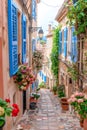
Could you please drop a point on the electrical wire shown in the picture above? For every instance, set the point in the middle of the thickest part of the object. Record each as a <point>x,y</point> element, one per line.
<point>50,5</point>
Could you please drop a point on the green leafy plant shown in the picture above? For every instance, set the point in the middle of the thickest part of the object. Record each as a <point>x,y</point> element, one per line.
<point>55,52</point>
<point>36,96</point>
<point>38,89</point>
<point>73,71</point>
<point>61,94</point>
<point>77,16</point>
<point>79,103</point>
<point>61,91</point>
<point>42,85</point>
<point>54,88</point>
<point>42,42</point>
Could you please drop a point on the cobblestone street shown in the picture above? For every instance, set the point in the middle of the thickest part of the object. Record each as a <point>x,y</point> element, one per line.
<point>48,115</point>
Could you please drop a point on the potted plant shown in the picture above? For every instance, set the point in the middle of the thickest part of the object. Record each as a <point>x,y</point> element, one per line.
<point>24,77</point>
<point>54,89</point>
<point>61,91</point>
<point>36,96</point>
<point>7,110</point>
<point>37,89</point>
<point>79,103</point>
<point>63,100</point>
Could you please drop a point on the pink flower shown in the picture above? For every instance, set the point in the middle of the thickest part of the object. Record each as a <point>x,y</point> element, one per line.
<point>69,100</point>
<point>80,100</point>
<point>73,99</point>
<point>73,96</point>
<point>79,94</point>
<point>76,94</point>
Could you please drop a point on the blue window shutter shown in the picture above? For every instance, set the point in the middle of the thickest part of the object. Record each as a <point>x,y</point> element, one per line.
<point>41,73</point>
<point>74,45</point>
<point>12,38</point>
<point>23,38</point>
<point>65,41</point>
<point>60,42</point>
<point>34,9</point>
<point>33,45</point>
<point>33,86</point>
<point>65,48</point>
<point>44,78</point>
<point>75,48</point>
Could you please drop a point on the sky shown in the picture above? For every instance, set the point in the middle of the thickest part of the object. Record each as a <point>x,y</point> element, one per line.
<point>47,11</point>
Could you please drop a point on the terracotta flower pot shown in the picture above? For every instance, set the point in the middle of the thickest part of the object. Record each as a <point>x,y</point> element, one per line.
<point>64,104</point>
<point>81,123</point>
<point>85,124</point>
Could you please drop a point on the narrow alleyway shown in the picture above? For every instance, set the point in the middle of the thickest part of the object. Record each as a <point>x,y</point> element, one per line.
<point>49,115</point>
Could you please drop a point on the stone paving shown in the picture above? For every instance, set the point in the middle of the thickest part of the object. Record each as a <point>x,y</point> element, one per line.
<point>48,115</point>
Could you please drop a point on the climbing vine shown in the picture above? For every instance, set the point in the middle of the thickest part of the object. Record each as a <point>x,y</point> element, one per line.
<point>77,16</point>
<point>55,52</point>
<point>73,71</point>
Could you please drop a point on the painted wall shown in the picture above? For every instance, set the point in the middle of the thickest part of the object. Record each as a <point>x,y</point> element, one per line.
<point>8,88</point>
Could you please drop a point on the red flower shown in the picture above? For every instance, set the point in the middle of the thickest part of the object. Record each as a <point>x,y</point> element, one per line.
<point>7,100</point>
<point>15,105</point>
<point>15,112</point>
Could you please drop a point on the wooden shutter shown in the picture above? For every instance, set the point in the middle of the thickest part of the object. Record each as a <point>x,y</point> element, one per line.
<point>23,39</point>
<point>60,42</point>
<point>12,38</point>
<point>65,41</point>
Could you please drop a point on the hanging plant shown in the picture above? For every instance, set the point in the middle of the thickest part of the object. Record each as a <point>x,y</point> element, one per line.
<point>37,60</point>
<point>7,110</point>
<point>77,16</point>
<point>24,77</point>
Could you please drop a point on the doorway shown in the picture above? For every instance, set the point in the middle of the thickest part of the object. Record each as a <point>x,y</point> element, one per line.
<point>24,101</point>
